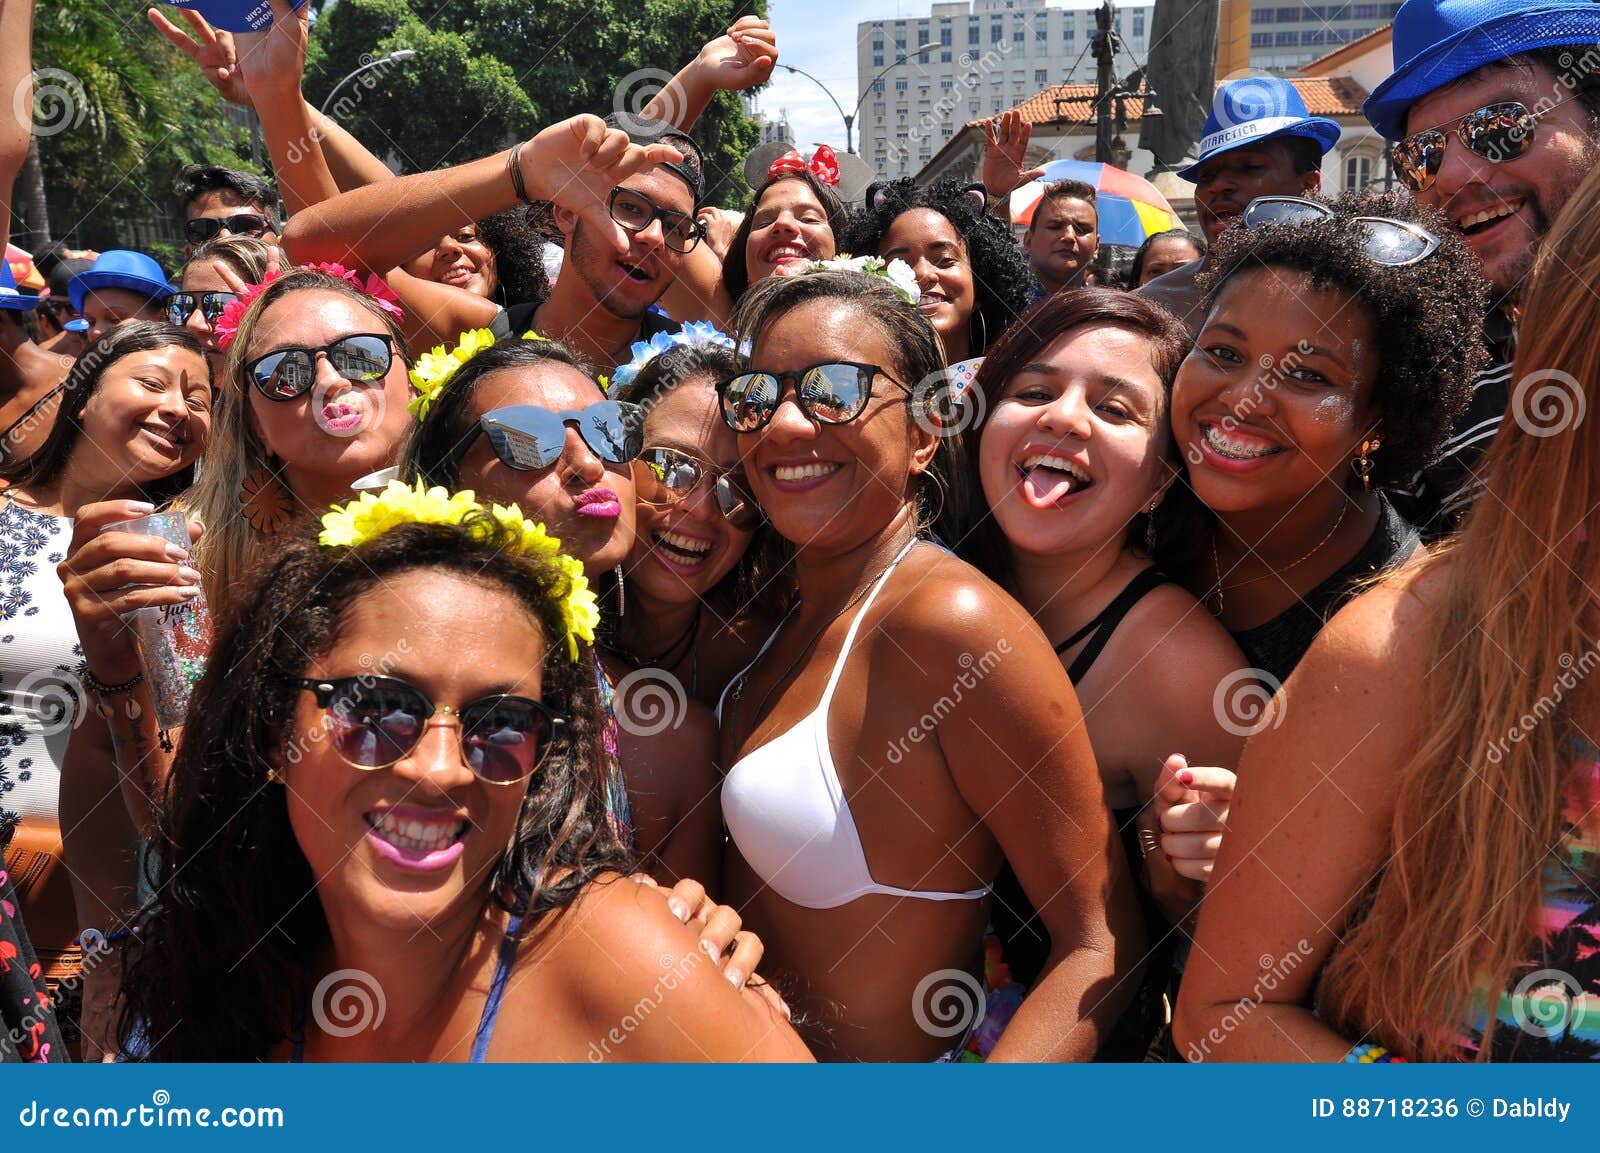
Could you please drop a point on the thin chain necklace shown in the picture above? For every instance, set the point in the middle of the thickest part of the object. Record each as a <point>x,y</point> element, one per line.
<point>1344,509</point>
<point>738,685</point>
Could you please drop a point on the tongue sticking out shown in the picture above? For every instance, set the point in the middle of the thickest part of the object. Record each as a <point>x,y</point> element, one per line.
<point>1045,486</point>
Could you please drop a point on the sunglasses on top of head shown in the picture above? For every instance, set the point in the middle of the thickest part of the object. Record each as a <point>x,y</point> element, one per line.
<point>1389,242</point>
<point>373,722</point>
<point>527,438</point>
<point>1497,132</point>
<point>180,306</point>
<point>203,228</point>
<point>666,476</point>
<point>835,392</point>
<point>289,373</point>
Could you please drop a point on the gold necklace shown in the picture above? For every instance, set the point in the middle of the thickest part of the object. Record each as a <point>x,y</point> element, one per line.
<point>1344,509</point>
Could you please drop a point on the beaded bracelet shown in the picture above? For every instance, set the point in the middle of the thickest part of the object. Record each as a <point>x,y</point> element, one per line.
<point>100,689</point>
<point>1372,1055</point>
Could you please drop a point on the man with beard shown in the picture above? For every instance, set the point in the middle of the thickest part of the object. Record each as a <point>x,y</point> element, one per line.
<point>1259,140</point>
<point>1495,108</point>
<point>601,300</point>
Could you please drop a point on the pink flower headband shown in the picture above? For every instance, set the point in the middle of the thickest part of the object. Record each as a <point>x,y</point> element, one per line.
<point>227,325</point>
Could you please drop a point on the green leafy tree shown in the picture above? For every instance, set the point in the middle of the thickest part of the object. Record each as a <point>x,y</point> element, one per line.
<point>489,72</point>
<point>118,112</point>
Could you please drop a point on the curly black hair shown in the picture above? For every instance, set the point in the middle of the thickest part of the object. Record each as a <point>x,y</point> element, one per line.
<point>517,241</point>
<point>999,268</point>
<point>220,968</point>
<point>1427,317</point>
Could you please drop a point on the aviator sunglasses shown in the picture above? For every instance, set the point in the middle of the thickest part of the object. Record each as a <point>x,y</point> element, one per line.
<point>375,721</point>
<point>835,392</point>
<point>526,437</point>
<point>290,372</point>
<point>666,476</point>
<point>1389,242</point>
<point>1497,132</point>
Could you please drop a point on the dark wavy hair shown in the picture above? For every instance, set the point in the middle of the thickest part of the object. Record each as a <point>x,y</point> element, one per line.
<point>735,271</point>
<point>999,269</point>
<point>515,238</point>
<point>986,547</point>
<point>221,967</point>
<point>766,557</point>
<point>1139,257</point>
<point>51,458</point>
<point>918,360</point>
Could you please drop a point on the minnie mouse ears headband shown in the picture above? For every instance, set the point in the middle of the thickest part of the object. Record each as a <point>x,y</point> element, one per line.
<point>851,174</point>
<point>881,194</point>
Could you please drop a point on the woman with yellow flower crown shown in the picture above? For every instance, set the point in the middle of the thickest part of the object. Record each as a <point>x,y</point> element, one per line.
<point>400,721</point>
<point>520,421</point>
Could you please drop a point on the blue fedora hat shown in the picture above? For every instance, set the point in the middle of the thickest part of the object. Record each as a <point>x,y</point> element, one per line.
<point>1437,41</point>
<point>1250,109</point>
<point>9,296</point>
<point>120,268</point>
<point>233,15</point>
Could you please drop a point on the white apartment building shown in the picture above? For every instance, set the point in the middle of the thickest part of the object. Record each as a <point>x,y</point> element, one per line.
<point>984,57</point>
<point>1285,36</point>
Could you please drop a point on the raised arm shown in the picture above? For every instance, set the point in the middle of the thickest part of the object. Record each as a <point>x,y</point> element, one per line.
<point>1307,832</point>
<point>16,64</point>
<point>273,61</point>
<point>740,58</point>
<point>1019,753</point>
<point>574,163</point>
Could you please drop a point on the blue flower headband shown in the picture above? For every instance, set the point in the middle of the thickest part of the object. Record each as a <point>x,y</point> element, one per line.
<point>695,334</point>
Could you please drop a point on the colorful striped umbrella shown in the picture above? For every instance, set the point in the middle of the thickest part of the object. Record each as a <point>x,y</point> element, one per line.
<point>1130,207</point>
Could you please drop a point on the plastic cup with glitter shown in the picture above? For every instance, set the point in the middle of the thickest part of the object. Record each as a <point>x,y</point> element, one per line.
<point>174,640</point>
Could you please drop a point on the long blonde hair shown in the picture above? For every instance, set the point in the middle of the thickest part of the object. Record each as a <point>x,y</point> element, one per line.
<point>230,546</point>
<point>1479,802</point>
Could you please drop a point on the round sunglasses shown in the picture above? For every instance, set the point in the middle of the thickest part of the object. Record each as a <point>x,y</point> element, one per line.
<point>527,438</point>
<point>665,476</point>
<point>835,392</point>
<point>289,373</point>
<point>373,722</point>
<point>1389,242</point>
<point>1497,132</point>
<point>180,306</point>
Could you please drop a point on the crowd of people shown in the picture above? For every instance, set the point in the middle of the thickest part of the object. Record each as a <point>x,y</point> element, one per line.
<point>615,628</point>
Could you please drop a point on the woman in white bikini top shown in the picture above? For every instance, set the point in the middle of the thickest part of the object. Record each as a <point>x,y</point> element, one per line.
<point>907,729</point>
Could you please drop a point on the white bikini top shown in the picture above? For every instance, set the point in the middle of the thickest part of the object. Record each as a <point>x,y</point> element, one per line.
<point>788,815</point>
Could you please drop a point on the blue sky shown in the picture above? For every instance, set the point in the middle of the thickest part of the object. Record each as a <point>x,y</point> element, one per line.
<point>820,37</point>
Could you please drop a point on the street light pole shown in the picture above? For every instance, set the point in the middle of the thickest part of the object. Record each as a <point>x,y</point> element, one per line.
<point>398,56</point>
<point>849,118</point>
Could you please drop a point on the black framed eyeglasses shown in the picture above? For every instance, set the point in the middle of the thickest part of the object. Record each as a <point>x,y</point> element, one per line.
<point>372,722</point>
<point>290,372</point>
<point>634,211</point>
<point>203,228</point>
<point>1389,242</point>
<point>834,392</point>
<point>527,438</point>
<point>1497,132</point>
<point>665,476</point>
<point>180,306</point>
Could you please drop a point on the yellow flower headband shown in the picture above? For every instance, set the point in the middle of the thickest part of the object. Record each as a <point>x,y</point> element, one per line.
<point>434,368</point>
<point>371,516</point>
